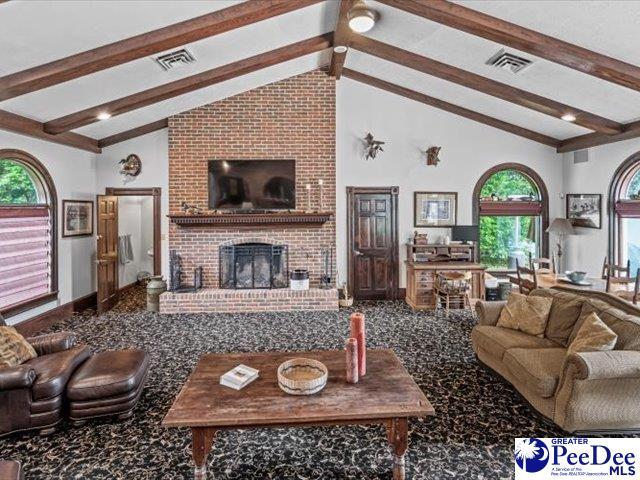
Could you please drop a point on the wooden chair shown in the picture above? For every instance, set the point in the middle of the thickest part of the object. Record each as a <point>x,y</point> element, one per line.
<point>620,276</point>
<point>543,265</point>
<point>628,295</point>
<point>526,285</point>
<point>453,288</point>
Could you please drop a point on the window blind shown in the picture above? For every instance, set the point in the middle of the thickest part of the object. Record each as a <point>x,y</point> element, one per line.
<point>25,254</point>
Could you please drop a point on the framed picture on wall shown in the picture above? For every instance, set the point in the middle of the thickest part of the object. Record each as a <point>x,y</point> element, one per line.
<point>585,209</point>
<point>77,218</point>
<point>435,209</point>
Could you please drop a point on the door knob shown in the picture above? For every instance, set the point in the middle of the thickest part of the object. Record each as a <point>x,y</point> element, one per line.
<point>100,262</point>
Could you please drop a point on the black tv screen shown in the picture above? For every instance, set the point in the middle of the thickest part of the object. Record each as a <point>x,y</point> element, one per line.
<point>465,233</point>
<point>252,184</point>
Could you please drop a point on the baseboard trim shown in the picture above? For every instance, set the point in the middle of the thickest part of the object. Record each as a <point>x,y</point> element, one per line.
<point>45,320</point>
<point>84,303</point>
<point>402,293</point>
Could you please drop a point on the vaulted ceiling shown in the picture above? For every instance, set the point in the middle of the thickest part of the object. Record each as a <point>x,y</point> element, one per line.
<point>430,51</point>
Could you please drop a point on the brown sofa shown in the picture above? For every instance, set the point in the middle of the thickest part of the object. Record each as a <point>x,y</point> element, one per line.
<point>586,392</point>
<point>31,394</point>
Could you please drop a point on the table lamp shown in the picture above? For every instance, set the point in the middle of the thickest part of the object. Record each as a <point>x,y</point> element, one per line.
<point>561,227</point>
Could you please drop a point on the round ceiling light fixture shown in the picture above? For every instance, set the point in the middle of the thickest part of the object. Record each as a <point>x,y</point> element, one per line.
<point>104,116</point>
<point>361,18</point>
<point>568,117</point>
<point>340,49</point>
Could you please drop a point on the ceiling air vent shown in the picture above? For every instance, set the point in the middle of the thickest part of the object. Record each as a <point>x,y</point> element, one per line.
<point>509,61</point>
<point>175,59</point>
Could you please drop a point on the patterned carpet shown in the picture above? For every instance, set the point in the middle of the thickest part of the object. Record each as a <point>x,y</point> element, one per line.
<point>471,437</point>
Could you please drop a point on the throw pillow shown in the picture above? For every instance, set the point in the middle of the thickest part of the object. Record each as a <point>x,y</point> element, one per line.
<point>526,313</point>
<point>593,336</point>
<point>14,349</point>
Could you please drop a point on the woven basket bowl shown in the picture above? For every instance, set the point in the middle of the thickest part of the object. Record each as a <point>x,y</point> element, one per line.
<point>302,376</point>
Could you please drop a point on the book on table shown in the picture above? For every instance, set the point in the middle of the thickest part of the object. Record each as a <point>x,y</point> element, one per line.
<point>239,377</point>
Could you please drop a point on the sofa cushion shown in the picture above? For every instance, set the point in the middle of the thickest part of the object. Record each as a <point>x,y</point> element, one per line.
<point>565,311</point>
<point>525,313</point>
<point>54,370</point>
<point>593,336</point>
<point>14,349</point>
<point>497,340</point>
<point>538,368</point>
<point>624,325</point>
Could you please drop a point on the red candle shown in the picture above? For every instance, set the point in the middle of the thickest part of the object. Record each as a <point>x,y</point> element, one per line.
<point>357,332</point>
<point>352,360</point>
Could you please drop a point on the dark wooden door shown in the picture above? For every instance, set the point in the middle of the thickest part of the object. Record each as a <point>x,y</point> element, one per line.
<point>373,242</point>
<point>107,252</point>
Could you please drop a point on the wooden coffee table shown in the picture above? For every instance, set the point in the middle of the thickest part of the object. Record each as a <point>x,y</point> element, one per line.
<point>386,395</point>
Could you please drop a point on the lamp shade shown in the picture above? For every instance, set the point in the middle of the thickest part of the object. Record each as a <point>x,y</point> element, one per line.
<point>561,226</point>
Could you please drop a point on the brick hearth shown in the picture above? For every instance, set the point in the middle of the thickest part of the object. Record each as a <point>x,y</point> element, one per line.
<point>241,301</point>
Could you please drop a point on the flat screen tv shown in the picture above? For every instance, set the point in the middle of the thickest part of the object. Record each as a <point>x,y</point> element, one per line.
<point>245,185</point>
<point>465,233</point>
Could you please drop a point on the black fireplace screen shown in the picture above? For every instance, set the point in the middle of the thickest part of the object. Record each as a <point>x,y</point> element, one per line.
<point>254,265</point>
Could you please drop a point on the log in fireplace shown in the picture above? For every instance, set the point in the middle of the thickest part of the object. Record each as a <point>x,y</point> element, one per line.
<point>254,265</point>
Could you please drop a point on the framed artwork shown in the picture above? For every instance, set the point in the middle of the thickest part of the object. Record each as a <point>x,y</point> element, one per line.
<point>435,209</point>
<point>585,209</point>
<point>77,218</point>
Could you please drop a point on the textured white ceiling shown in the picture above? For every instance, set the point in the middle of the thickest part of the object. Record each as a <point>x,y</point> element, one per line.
<point>35,32</point>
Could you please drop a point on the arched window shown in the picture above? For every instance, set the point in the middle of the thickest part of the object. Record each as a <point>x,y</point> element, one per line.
<point>28,234</point>
<point>510,206</point>
<point>624,213</point>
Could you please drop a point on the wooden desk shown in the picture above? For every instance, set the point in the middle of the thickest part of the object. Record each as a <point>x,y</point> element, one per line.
<point>421,279</point>
<point>386,395</point>
<point>548,280</point>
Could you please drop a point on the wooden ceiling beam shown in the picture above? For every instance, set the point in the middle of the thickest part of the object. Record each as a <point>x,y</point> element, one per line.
<point>189,84</point>
<point>497,30</point>
<point>341,37</point>
<point>451,108</point>
<point>133,133</point>
<point>483,84</point>
<point>631,130</point>
<point>145,44</point>
<point>15,123</point>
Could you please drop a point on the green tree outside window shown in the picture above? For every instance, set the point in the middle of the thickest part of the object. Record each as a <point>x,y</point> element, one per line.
<point>16,185</point>
<point>502,237</point>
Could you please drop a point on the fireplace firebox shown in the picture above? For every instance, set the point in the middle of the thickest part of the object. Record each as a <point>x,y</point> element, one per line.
<point>254,265</point>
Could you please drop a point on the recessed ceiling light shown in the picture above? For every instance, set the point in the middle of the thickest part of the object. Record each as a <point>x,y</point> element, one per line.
<point>568,117</point>
<point>104,116</point>
<point>361,18</point>
<point>339,49</point>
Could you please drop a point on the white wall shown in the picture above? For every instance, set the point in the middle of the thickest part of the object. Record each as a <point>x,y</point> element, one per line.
<point>74,175</point>
<point>408,127</point>
<point>587,249</point>
<point>153,150</point>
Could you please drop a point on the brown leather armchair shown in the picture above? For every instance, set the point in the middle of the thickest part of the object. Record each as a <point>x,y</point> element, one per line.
<point>31,394</point>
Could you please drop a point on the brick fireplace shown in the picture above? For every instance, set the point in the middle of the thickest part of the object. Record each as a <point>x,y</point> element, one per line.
<point>293,119</point>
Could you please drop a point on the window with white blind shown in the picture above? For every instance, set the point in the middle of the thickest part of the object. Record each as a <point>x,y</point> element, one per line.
<point>27,233</point>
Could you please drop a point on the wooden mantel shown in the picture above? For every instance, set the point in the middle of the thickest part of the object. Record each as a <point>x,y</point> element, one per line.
<point>280,219</point>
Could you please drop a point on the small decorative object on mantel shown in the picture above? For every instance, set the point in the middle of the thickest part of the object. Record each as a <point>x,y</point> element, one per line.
<point>432,156</point>
<point>191,209</point>
<point>308,188</point>
<point>302,376</point>
<point>131,166</point>
<point>420,238</point>
<point>320,184</point>
<point>372,147</point>
<point>351,348</point>
<point>358,332</point>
